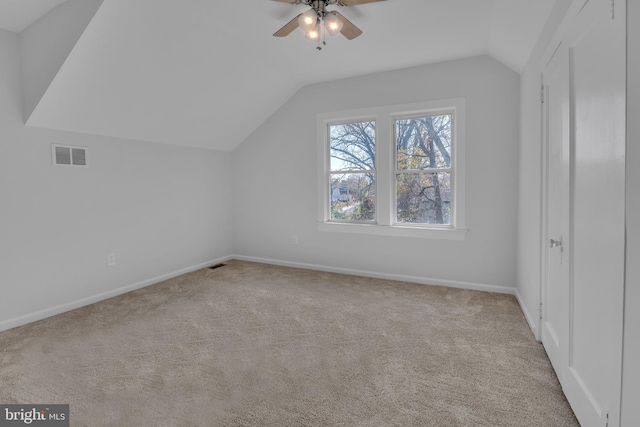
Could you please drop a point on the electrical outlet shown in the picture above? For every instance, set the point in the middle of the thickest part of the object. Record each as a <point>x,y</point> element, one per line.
<point>294,239</point>
<point>111,259</point>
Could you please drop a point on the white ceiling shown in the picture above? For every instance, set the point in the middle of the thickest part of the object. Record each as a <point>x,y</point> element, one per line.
<point>207,73</point>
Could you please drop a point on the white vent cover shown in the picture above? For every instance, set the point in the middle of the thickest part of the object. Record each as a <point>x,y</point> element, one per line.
<point>65,155</point>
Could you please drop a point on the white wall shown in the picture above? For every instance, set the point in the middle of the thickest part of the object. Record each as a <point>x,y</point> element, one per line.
<point>160,208</point>
<point>274,173</point>
<point>631,367</point>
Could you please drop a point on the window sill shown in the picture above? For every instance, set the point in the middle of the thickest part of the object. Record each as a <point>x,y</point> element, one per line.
<point>395,230</point>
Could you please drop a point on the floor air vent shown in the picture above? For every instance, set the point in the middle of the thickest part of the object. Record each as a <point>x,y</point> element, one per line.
<point>213,267</point>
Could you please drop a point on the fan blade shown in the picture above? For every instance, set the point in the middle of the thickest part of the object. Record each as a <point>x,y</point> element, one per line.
<point>288,28</point>
<point>353,2</point>
<point>349,30</point>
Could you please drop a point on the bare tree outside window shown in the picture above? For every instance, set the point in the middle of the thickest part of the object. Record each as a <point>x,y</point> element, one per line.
<point>399,169</point>
<point>352,178</point>
<point>423,170</point>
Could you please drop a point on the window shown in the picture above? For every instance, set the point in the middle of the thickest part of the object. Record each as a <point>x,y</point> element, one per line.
<point>352,178</point>
<point>395,170</point>
<point>423,169</point>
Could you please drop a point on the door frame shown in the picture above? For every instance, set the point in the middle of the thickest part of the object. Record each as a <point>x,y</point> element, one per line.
<point>559,335</point>
<point>564,30</point>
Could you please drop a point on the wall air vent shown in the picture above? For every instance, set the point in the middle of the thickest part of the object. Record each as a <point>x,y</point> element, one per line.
<point>64,155</point>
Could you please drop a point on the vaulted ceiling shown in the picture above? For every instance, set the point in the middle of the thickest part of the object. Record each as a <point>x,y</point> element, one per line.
<point>207,73</point>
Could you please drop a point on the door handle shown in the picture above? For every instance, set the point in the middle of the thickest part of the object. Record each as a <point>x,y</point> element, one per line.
<point>555,243</point>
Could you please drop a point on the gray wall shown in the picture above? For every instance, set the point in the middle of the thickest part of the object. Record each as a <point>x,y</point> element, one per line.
<point>162,209</point>
<point>275,178</point>
<point>631,367</point>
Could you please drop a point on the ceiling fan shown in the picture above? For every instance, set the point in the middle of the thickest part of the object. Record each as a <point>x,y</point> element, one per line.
<point>318,21</point>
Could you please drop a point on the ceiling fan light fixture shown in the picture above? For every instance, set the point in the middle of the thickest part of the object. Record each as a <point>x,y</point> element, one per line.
<point>313,34</point>
<point>333,23</point>
<point>308,20</point>
<point>317,22</point>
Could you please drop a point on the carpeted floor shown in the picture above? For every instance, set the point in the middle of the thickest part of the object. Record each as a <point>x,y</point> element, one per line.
<point>257,345</point>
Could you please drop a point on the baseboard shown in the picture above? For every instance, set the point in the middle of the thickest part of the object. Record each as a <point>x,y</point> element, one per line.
<point>379,275</point>
<point>531,320</point>
<point>48,312</point>
<point>43,314</point>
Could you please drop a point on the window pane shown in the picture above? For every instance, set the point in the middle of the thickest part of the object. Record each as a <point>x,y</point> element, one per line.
<point>424,198</point>
<point>424,142</point>
<point>353,146</point>
<point>353,196</point>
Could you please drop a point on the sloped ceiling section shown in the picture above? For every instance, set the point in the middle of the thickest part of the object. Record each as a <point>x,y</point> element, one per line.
<point>16,15</point>
<point>206,73</point>
<point>511,40</point>
<point>46,44</point>
<point>157,70</point>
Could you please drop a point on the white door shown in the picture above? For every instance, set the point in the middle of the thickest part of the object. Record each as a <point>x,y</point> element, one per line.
<point>583,292</point>
<point>597,51</point>
<point>555,292</point>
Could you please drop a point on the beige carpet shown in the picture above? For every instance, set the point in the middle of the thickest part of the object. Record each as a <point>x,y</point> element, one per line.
<point>256,345</point>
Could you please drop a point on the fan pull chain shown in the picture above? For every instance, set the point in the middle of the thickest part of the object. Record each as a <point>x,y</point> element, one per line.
<point>324,39</point>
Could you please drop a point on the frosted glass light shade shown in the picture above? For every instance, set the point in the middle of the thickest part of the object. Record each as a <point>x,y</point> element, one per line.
<point>333,23</point>
<point>308,20</point>
<point>313,34</point>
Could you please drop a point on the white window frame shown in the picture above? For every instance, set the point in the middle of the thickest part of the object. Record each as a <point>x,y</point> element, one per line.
<point>385,214</point>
